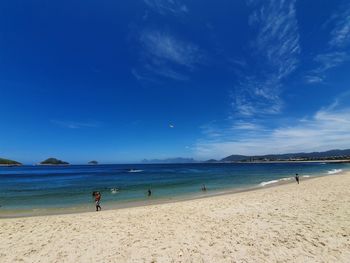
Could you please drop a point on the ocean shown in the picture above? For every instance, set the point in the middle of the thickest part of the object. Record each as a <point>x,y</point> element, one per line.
<point>42,187</point>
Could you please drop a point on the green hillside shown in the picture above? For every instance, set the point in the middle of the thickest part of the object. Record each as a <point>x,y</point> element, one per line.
<point>53,161</point>
<point>8,162</point>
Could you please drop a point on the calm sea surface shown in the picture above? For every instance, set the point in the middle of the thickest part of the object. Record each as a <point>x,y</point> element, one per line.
<point>35,187</point>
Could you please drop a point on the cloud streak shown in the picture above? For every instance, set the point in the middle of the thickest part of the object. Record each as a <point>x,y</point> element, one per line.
<point>165,47</point>
<point>167,56</point>
<point>337,46</point>
<point>326,62</point>
<point>277,46</point>
<point>340,35</point>
<point>165,7</point>
<point>74,124</point>
<point>327,129</point>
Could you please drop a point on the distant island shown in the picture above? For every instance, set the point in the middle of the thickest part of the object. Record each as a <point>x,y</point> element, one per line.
<point>7,162</point>
<point>53,161</point>
<point>93,162</point>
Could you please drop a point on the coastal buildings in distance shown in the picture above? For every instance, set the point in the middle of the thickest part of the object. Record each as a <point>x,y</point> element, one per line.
<point>332,155</point>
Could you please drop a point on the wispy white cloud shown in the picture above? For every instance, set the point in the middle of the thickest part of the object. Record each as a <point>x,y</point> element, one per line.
<point>166,47</point>
<point>75,124</point>
<point>278,36</point>
<point>327,129</point>
<point>340,35</point>
<point>277,46</point>
<point>313,79</point>
<point>165,7</point>
<point>337,46</point>
<point>165,55</point>
<point>326,62</point>
<point>254,96</point>
<point>330,60</point>
<point>247,126</point>
<point>216,132</point>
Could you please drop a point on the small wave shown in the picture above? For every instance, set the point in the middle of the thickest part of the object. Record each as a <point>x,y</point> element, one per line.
<point>286,179</point>
<point>114,190</point>
<point>275,181</point>
<point>334,171</point>
<point>135,171</point>
<point>323,163</point>
<point>306,176</point>
<point>269,182</point>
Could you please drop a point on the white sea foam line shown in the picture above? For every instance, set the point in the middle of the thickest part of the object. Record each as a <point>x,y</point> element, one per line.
<point>275,181</point>
<point>269,182</point>
<point>334,171</point>
<point>286,179</point>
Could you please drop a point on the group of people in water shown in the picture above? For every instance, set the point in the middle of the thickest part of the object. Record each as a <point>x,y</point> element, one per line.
<point>97,195</point>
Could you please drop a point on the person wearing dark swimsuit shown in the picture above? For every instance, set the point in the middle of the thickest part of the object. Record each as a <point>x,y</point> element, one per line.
<point>97,196</point>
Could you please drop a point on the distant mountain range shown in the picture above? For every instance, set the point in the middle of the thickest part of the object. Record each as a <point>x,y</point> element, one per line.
<point>332,154</point>
<point>302,156</point>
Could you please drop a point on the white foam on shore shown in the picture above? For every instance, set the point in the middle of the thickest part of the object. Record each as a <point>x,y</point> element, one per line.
<point>306,176</point>
<point>335,171</point>
<point>269,182</point>
<point>286,179</point>
<point>275,181</point>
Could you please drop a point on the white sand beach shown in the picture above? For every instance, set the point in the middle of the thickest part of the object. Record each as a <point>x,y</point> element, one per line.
<point>309,222</point>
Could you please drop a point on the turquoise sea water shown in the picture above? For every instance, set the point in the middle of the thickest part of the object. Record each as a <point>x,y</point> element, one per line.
<point>36,187</point>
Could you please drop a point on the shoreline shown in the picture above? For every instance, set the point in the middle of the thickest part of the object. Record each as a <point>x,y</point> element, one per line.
<point>289,223</point>
<point>115,205</point>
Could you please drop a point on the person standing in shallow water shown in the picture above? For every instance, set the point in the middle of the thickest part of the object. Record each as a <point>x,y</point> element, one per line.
<point>149,192</point>
<point>97,196</point>
<point>297,178</point>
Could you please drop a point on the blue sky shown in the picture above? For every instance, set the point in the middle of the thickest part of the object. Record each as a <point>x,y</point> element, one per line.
<point>119,81</point>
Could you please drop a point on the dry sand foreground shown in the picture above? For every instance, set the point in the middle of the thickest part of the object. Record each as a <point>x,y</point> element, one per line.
<point>309,222</point>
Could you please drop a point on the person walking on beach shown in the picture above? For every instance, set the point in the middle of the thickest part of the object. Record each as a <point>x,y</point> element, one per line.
<point>97,196</point>
<point>297,178</point>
